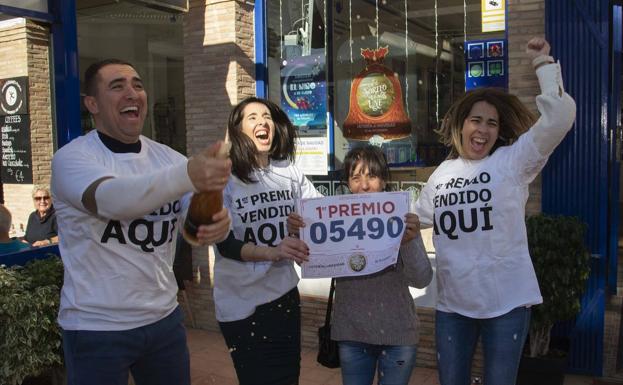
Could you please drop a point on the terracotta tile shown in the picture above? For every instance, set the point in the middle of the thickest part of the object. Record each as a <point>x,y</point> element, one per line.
<point>211,379</point>
<point>308,358</point>
<point>303,381</point>
<point>210,364</point>
<point>336,379</point>
<point>317,375</point>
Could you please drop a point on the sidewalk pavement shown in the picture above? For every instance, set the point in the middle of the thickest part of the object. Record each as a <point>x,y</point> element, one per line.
<point>210,364</point>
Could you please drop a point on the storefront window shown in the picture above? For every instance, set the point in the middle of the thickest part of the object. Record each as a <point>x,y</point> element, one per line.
<point>150,39</point>
<point>393,67</point>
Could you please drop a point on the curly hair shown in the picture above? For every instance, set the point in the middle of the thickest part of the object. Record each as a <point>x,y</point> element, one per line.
<point>515,118</point>
<point>40,187</point>
<point>244,155</point>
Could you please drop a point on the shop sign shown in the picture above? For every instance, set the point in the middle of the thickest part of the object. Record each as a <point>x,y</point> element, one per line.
<point>493,15</point>
<point>14,96</point>
<point>303,92</point>
<point>16,149</point>
<point>486,64</point>
<point>376,110</point>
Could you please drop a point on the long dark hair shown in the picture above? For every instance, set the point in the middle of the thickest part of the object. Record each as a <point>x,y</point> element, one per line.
<point>244,154</point>
<point>371,157</point>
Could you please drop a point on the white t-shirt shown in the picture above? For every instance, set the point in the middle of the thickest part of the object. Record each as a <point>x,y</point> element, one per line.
<point>259,212</point>
<point>477,211</point>
<point>118,274</point>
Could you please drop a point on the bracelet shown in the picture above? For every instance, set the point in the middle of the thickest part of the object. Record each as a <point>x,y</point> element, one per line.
<point>542,60</point>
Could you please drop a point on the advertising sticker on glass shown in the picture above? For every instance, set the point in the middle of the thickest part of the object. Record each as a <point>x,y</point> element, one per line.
<point>303,92</point>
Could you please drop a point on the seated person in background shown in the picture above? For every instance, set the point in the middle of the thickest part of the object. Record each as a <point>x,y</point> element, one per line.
<point>7,244</point>
<point>41,229</point>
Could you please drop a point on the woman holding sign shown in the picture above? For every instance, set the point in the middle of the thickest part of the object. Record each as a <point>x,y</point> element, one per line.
<point>475,200</point>
<point>374,317</point>
<point>257,302</point>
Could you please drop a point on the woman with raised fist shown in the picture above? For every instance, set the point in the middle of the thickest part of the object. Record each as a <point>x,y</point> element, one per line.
<point>476,200</point>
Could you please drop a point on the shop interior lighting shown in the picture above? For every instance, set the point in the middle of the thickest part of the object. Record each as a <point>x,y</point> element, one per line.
<point>396,41</point>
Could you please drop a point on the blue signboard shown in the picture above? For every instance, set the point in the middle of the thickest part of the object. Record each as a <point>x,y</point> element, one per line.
<point>486,64</point>
<point>303,91</point>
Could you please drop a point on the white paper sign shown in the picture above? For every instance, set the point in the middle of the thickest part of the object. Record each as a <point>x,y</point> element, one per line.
<point>311,155</point>
<point>356,234</point>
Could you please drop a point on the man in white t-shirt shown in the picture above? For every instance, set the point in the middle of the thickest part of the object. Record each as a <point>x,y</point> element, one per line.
<point>120,199</point>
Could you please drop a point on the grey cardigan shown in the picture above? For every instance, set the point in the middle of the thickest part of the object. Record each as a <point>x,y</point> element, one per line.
<point>378,308</point>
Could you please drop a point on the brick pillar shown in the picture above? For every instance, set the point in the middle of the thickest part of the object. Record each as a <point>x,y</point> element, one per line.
<point>40,102</point>
<point>526,19</point>
<point>218,66</point>
<point>24,51</point>
<point>219,71</point>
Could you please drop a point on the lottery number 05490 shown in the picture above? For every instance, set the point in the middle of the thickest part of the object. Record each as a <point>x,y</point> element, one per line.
<point>374,228</point>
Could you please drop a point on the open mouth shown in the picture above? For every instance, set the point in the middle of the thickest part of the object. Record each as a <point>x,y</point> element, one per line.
<point>478,144</point>
<point>262,135</point>
<point>131,112</point>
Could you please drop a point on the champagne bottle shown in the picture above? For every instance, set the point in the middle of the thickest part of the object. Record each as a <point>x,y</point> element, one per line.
<point>204,205</point>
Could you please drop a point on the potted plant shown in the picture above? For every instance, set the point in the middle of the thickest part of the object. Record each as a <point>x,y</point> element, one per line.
<point>30,339</point>
<point>561,262</point>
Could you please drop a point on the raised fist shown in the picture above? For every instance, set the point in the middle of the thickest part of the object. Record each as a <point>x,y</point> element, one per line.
<point>537,46</point>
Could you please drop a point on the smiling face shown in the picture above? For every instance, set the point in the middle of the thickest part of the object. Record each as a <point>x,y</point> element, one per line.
<point>119,105</point>
<point>42,201</point>
<point>480,131</point>
<point>360,180</point>
<point>257,124</point>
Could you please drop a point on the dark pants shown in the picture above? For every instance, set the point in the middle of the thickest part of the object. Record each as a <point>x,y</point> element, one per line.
<point>266,347</point>
<point>156,354</point>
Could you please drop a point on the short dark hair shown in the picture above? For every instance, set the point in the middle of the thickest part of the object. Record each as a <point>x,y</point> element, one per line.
<point>370,156</point>
<point>244,154</point>
<point>90,75</point>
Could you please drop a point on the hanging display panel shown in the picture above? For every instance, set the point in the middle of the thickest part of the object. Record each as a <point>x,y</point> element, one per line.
<point>297,76</point>
<point>376,109</point>
<point>486,64</point>
<point>303,91</point>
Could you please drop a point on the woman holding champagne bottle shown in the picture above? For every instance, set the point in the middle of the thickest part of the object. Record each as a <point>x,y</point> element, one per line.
<point>255,293</point>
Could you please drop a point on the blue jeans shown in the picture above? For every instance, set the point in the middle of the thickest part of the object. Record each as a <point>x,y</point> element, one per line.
<point>156,354</point>
<point>358,361</point>
<point>503,340</point>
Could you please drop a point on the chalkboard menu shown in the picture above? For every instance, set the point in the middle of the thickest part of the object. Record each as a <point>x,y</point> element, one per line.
<point>16,149</point>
